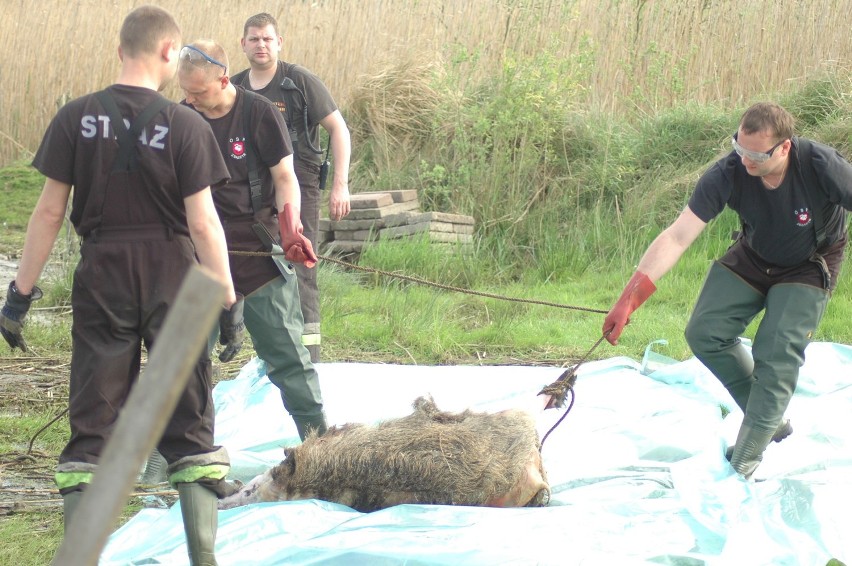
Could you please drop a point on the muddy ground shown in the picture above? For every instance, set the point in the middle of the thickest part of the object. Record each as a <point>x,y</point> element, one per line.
<point>29,385</point>
<point>34,389</point>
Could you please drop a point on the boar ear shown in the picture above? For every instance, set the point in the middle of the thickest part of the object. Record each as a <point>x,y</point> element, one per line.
<point>290,460</point>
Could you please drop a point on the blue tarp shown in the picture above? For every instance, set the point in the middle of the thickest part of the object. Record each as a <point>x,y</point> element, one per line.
<point>637,473</point>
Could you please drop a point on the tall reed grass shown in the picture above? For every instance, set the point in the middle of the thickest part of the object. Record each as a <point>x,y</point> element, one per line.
<point>648,55</point>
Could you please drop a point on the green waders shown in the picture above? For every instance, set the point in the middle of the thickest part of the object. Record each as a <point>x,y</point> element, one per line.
<point>274,321</point>
<point>761,384</point>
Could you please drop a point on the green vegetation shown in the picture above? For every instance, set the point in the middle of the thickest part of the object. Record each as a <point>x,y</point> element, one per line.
<point>20,186</point>
<point>565,200</point>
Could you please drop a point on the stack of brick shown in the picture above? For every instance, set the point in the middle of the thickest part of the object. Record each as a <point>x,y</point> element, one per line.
<point>391,215</point>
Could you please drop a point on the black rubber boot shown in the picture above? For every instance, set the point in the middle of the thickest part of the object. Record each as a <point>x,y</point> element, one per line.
<point>199,508</point>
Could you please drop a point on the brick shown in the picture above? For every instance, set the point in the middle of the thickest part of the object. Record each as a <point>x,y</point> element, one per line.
<point>442,217</point>
<point>450,238</point>
<point>383,212</point>
<point>441,227</point>
<point>355,235</point>
<point>345,246</point>
<point>370,200</point>
<point>402,231</point>
<point>399,195</point>
<point>346,224</point>
<point>400,219</point>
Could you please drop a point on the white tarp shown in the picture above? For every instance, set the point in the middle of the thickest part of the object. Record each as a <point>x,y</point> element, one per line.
<point>636,468</point>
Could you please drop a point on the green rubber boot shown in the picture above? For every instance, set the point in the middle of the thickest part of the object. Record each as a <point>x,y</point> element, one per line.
<point>307,425</point>
<point>748,450</point>
<point>155,470</point>
<point>70,501</point>
<point>199,508</point>
<point>784,430</point>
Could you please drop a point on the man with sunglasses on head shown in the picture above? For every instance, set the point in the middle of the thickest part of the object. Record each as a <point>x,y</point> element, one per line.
<point>306,104</point>
<point>260,202</point>
<point>791,195</point>
<point>141,168</point>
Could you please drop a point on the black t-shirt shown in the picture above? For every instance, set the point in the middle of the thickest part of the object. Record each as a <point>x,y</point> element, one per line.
<point>292,105</point>
<point>270,141</point>
<point>778,223</point>
<point>176,155</point>
<point>233,198</point>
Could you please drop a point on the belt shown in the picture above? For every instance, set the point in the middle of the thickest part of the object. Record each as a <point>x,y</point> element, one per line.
<point>138,232</point>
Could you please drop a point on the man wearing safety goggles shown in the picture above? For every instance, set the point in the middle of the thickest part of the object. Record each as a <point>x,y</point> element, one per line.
<point>261,199</point>
<point>791,195</point>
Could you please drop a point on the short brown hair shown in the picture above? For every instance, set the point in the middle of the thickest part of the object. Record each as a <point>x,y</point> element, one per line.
<point>144,28</point>
<point>768,116</point>
<point>260,20</point>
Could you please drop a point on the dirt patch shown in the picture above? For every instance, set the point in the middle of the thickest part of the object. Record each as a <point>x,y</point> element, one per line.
<point>28,386</point>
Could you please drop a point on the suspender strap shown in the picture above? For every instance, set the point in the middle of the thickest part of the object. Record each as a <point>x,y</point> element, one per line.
<point>251,154</point>
<point>811,184</point>
<point>126,159</point>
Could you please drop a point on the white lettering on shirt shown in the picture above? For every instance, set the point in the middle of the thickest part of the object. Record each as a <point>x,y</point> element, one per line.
<point>91,126</point>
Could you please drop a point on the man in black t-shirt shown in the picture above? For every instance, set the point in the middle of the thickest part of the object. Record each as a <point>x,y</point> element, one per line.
<point>143,216</point>
<point>306,104</point>
<point>792,195</point>
<point>272,314</point>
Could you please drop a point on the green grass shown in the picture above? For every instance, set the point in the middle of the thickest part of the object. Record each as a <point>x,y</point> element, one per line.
<point>565,203</point>
<point>20,186</point>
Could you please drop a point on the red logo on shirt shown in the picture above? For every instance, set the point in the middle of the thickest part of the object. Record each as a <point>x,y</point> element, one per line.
<point>238,148</point>
<point>803,217</point>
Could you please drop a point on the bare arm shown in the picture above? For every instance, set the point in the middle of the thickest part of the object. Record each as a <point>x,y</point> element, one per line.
<point>207,234</point>
<point>665,251</point>
<point>286,184</point>
<point>341,148</point>
<point>44,225</point>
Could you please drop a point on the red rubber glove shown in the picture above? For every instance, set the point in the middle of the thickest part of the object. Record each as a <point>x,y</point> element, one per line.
<point>637,291</point>
<point>297,248</point>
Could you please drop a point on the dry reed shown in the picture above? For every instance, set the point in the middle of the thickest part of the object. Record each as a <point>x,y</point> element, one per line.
<point>667,52</point>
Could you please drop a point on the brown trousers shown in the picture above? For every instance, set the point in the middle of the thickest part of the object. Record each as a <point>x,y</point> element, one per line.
<point>124,284</point>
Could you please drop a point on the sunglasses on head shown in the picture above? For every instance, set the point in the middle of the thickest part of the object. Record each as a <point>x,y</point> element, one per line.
<point>198,57</point>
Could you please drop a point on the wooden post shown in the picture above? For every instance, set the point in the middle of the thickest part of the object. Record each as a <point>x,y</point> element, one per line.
<point>143,419</point>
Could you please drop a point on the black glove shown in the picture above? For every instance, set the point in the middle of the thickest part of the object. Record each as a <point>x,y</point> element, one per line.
<point>13,314</point>
<point>232,330</point>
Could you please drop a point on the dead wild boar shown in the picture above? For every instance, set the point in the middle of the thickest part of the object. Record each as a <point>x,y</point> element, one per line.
<point>427,457</point>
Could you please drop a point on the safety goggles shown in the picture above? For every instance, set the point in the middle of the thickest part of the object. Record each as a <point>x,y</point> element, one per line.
<point>198,57</point>
<point>756,156</point>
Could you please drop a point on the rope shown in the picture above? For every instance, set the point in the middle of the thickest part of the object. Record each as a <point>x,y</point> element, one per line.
<point>557,390</point>
<point>563,384</point>
<point>44,428</point>
<point>430,283</point>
